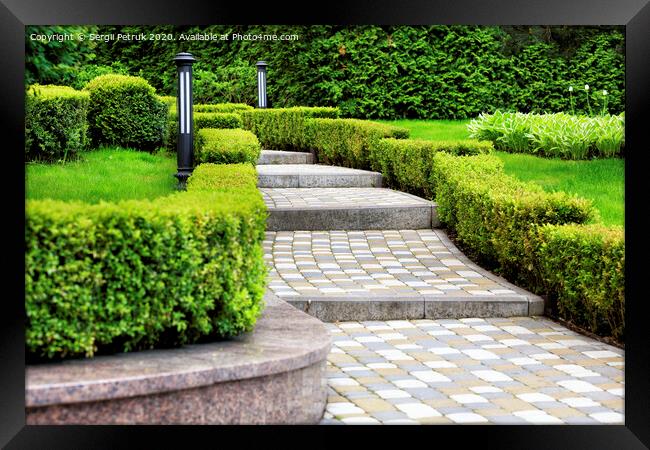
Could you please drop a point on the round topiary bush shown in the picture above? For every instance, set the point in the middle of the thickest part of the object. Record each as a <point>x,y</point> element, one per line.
<point>125,111</point>
<point>55,123</point>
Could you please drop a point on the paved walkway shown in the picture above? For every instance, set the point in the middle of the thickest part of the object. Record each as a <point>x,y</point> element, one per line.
<point>501,369</point>
<point>522,370</point>
<point>362,263</point>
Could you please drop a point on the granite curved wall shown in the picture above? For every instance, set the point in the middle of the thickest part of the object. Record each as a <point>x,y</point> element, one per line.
<point>273,375</point>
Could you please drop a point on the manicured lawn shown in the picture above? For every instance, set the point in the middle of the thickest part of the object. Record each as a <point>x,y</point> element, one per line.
<point>433,129</point>
<point>602,180</point>
<point>109,174</point>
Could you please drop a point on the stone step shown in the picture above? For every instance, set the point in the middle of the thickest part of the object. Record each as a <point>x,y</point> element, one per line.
<point>314,176</point>
<point>346,209</point>
<point>282,157</point>
<point>387,275</point>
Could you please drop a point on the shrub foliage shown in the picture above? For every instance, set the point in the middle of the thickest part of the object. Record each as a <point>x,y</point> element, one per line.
<point>539,240</point>
<point>283,128</point>
<point>347,142</point>
<point>225,146</point>
<point>145,274</point>
<point>126,111</point>
<point>55,123</point>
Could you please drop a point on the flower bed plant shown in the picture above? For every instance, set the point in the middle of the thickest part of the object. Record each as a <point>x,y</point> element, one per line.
<point>553,135</point>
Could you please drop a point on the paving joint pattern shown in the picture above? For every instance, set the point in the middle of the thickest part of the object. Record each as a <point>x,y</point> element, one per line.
<point>518,370</point>
<point>386,274</point>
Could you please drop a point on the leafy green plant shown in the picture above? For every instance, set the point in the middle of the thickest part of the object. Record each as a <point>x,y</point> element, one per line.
<point>125,111</point>
<point>552,135</point>
<point>55,123</point>
<point>227,146</point>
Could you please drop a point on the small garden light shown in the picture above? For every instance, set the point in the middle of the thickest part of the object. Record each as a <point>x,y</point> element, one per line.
<point>184,105</point>
<point>261,84</point>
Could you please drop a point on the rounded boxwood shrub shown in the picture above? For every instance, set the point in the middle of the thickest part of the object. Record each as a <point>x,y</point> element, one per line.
<point>55,123</point>
<point>126,111</point>
<point>226,146</point>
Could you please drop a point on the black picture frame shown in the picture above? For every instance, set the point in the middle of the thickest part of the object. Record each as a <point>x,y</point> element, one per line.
<point>634,14</point>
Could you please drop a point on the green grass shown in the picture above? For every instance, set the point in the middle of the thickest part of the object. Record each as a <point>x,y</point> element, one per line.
<point>601,180</point>
<point>434,130</point>
<point>109,174</point>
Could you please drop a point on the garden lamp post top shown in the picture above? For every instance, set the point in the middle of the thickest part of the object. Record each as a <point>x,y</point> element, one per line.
<point>184,58</point>
<point>261,64</point>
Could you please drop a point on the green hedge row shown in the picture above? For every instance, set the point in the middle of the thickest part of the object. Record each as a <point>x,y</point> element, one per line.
<point>406,164</point>
<point>583,269</point>
<point>283,128</point>
<point>55,123</point>
<point>536,239</point>
<point>347,142</point>
<point>223,107</point>
<point>226,146</point>
<point>126,111</point>
<point>552,135</point>
<point>201,120</point>
<point>145,274</point>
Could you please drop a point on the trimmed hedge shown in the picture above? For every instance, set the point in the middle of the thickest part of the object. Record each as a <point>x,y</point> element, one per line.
<point>406,164</point>
<point>223,108</point>
<point>347,142</point>
<point>492,212</point>
<point>126,111</point>
<point>583,268</point>
<point>540,240</point>
<point>210,176</point>
<point>137,275</point>
<point>283,128</point>
<point>552,135</point>
<point>226,146</point>
<point>201,120</point>
<point>55,123</point>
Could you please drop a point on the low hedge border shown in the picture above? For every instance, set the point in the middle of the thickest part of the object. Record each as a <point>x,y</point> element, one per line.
<point>583,268</point>
<point>347,142</point>
<point>226,146</point>
<point>137,275</point>
<point>56,125</point>
<point>283,128</point>
<point>201,120</point>
<point>542,241</point>
<point>406,164</point>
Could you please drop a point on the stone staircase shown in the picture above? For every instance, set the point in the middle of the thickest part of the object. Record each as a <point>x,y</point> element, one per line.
<point>341,247</point>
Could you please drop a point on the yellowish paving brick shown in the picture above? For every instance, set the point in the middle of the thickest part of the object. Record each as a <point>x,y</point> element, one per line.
<point>561,412</point>
<point>442,420</point>
<point>441,403</point>
<point>373,405</point>
<point>512,404</point>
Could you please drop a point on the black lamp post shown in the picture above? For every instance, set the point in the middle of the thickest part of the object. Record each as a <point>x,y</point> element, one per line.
<point>184,105</point>
<point>261,84</point>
